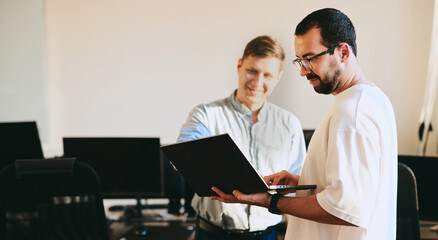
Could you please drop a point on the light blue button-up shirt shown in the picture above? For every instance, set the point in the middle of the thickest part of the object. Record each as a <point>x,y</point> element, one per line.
<point>272,144</point>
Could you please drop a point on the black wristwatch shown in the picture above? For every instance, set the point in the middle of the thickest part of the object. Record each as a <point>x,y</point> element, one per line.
<point>273,204</point>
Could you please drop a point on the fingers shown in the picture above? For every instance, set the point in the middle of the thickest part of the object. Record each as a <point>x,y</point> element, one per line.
<point>238,194</point>
<point>280,178</point>
<point>258,199</point>
<point>218,191</point>
<point>223,197</point>
<point>254,198</point>
<point>236,197</point>
<point>275,179</point>
<point>268,179</point>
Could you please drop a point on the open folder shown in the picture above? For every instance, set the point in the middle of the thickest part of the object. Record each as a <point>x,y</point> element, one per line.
<point>217,161</point>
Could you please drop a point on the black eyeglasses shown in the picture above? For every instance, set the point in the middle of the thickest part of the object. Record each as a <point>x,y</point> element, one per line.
<point>306,62</point>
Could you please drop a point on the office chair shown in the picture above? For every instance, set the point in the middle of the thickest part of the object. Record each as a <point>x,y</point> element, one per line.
<point>408,223</point>
<point>51,199</point>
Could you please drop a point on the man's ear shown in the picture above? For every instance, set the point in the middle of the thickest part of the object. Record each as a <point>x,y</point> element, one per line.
<point>345,52</point>
<point>280,74</point>
<point>239,63</point>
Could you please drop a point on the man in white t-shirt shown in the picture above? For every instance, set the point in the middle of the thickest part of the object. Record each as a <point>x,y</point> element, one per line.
<point>352,156</point>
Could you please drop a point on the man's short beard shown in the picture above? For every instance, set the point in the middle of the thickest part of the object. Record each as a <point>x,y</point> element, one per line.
<point>330,82</point>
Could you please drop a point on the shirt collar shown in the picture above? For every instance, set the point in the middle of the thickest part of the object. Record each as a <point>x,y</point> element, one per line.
<point>244,111</point>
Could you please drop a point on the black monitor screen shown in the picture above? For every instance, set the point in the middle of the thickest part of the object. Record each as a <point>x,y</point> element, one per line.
<point>19,140</point>
<point>127,167</point>
<point>425,171</point>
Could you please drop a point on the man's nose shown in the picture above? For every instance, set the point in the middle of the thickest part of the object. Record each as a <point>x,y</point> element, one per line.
<point>304,71</point>
<point>260,79</point>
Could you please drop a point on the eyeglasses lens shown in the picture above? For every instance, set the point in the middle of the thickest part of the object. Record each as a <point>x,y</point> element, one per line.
<point>303,62</point>
<point>306,64</point>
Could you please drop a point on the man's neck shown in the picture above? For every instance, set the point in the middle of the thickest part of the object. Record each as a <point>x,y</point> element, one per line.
<point>254,108</point>
<point>352,78</point>
<point>254,116</point>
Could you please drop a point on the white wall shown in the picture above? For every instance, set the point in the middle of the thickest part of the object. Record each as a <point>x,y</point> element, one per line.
<point>23,79</point>
<point>137,67</point>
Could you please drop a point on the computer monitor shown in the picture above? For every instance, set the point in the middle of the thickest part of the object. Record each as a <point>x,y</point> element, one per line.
<point>19,140</point>
<point>426,174</point>
<point>127,167</point>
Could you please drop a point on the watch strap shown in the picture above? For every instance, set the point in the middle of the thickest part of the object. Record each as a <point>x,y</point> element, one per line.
<point>273,204</point>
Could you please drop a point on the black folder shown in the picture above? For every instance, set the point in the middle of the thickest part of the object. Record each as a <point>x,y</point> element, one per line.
<point>217,161</point>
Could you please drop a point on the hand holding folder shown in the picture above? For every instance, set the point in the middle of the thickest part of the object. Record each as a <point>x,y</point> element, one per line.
<point>260,199</point>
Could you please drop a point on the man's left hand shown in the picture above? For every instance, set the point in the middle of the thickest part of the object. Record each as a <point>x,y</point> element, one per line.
<point>258,199</point>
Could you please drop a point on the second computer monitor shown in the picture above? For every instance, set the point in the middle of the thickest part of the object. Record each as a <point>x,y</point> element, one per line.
<point>425,171</point>
<point>127,167</point>
<point>19,140</point>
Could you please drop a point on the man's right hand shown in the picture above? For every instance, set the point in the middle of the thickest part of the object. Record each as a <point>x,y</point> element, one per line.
<point>282,178</point>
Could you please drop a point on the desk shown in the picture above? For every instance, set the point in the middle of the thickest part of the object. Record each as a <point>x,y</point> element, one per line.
<point>174,230</point>
<point>426,233</point>
<point>163,225</point>
<point>160,225</point>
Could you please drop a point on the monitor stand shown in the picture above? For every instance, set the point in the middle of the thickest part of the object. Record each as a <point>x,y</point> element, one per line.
<point>134,213</point>
<point>174,206</point>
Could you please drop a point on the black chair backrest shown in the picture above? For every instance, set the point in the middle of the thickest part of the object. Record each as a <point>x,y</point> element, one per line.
<point>408,223</point>
<point>51,199</point>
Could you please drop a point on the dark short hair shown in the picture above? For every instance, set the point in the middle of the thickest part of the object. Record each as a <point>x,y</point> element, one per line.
<point>335,27</point>
<point>264,46</point>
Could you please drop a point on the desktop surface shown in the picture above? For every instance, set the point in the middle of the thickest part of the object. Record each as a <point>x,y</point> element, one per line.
<point>155,223</point>
<point>154,230</point>
<point>428,229</point>
<point>160,224</point>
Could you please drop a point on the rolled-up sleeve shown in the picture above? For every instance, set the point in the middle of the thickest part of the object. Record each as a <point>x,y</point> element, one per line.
<point>194,127</point>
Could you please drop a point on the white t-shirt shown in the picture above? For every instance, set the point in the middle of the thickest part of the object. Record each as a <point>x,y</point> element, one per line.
<point>352,158</point>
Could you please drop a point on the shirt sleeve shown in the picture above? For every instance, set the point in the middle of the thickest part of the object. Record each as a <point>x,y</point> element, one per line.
<point>195,126</point>
<point>298,149</point>
<point>353,173</point>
